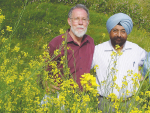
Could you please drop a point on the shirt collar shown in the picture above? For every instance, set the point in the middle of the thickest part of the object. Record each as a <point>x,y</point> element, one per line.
<point>127,46</point>
<point>109,47</point>
<point>69,38</point>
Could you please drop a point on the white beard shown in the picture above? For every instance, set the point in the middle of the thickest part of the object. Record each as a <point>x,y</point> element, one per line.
<point>79,33</point>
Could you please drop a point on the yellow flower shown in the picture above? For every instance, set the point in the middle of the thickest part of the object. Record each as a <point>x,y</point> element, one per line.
<point>125,83</point>
<point>2,31</point>
<point>4,39</point>
<point>136,110</point>
<point>16,49</point>
<point>103,35</point>
<point>88,82</point>
<point>117,46</point>
<point>99,111</point>
<point>21,77</point>
<point>21,61</point>
<point>116,105</point>
<point>119,52</point>
<point>96,67</point>
<point>25,54</point>
<point>2,17</point>
<point>63,36</point>
<point>114,78</point>
<point>125,78</point>
<point>61,31</point>
<point>44,46</point>
<point>9,28</point>
<point>142,93</point>
<point>147,93</point>
<point>68,48</point>
<point>86,98</point>
<point>137,98</point>
<point>127,92</point>
<point>79,111</point>
<point>112,96</point>
<point>117,87</point>
<point>144,106</point>
<point>113,53</point>
<point>57,52</point>
<point>63,42</point>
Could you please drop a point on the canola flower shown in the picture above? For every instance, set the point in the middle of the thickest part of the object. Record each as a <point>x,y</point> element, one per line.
<point>96,67</point>
<point>71,99</point>
<point>2,17</point>
<point>27,92</point>
<point>117,47</point>
<point>2,31</point>
<point>16,48</point>
<point>89,82</point>
<point>147,93</point>
<point>119,52</point>
<point>61,31</point>
<point>103,36</point>
<point>112,96</point>
<point>8,28</point>
<point>57,52</point>
<point>4,39</point>
<point>44,46</point>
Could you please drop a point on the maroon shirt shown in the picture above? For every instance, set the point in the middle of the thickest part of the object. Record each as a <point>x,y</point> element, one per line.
<point>81,61</point>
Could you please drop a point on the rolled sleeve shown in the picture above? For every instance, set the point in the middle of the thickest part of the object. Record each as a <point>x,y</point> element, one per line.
<point>146,67</point>
<point>143,55</point>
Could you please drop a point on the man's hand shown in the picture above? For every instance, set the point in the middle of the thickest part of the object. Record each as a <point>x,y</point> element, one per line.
<point>52,88</point>
<point>142,78</point>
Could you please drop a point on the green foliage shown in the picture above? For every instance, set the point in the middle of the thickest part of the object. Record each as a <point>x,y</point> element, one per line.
<point>39,19</point>
<point>42,20</point>
<point>134,9</point>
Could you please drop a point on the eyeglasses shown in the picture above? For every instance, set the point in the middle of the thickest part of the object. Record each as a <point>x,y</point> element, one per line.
<point>121,31</point>
<point>76,20</point>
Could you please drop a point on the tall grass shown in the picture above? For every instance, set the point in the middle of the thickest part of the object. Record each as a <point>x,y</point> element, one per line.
<point>133,8</point>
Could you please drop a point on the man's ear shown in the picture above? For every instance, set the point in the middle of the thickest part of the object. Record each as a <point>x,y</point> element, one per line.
<point>88,22</point>
<point>69,21</point>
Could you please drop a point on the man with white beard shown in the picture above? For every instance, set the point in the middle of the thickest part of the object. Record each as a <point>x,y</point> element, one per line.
<point>80,54</point>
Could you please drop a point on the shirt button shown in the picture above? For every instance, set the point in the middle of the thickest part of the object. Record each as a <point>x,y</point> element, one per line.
<point>80,57</point>
<point>80,68</point>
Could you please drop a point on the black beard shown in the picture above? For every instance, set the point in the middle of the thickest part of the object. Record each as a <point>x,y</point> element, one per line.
<point>114,39</point>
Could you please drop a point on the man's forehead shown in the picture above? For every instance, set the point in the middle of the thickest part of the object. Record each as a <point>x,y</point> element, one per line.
<point>79,11</point>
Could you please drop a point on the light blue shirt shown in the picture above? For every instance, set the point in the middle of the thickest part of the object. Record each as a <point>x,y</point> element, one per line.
<point>146,67</point>
<point>133,56</point>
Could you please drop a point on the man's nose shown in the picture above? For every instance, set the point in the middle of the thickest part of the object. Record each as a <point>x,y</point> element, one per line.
<point>80,21</point>
<point>119,33</point>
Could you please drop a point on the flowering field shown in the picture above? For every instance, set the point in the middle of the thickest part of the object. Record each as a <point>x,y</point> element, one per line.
<point>23,78</point>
